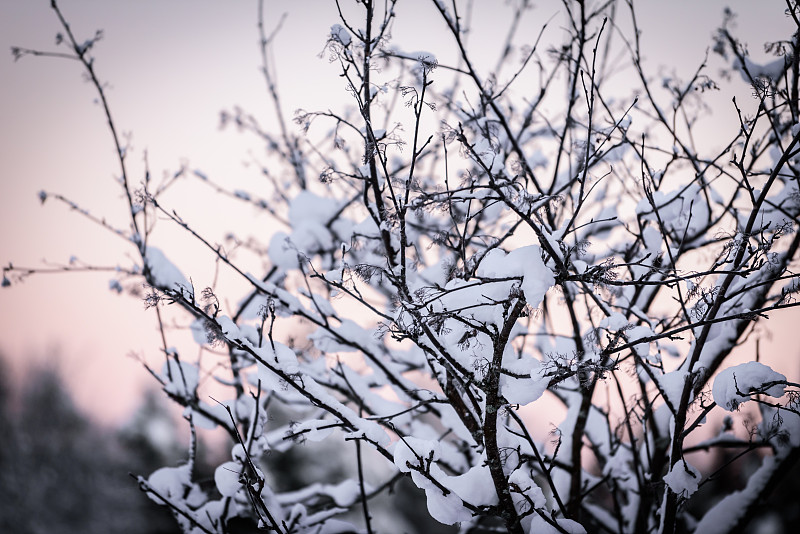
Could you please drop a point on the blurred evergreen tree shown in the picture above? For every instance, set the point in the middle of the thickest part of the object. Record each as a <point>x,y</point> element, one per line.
<point>62,473</point>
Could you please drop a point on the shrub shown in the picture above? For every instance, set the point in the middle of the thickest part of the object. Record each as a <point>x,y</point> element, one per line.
<point>459,243</point>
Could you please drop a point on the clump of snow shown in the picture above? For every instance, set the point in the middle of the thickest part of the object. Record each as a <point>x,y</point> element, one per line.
<point>345,493</point>
<point>772,70</point>
<point>207,517</point>
<point>227,477</point>
<point>309,216</point>
<point>199,331</point>
<point>170,482</point>
<point>282,251</point>
<point>229,328</point>
<point>313,430</point>
<point>199,418</point>
<point>681,210</point>
<point>540,526</point>
<point>180,378</point>
<point>640,332</point>
<point>524,390</point>
<point>528,487</point>
<point>445,508</point>
<point>683,478</point>
<point>725,514</point>
<point>475,486</point>
<point>163,272</point>
<point>349,336</point>
<point>418,456</point>
<point>340,34</point>
<point>527,262</point>
<point>614,322</point>
<point>672,384</point>
<point>744,378</point>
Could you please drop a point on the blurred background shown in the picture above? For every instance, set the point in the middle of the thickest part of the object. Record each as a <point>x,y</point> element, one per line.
<point>71,380</point>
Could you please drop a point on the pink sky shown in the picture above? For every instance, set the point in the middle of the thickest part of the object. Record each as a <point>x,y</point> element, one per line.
<point>172,67</point>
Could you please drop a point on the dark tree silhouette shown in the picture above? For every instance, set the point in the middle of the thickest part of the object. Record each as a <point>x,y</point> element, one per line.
<point>59,472</point>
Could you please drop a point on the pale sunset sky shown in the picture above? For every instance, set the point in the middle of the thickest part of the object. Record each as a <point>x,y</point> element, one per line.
<point>171,67</point>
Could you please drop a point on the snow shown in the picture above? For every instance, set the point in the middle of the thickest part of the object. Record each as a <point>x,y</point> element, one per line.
<point>528,487</point>
<point>451,420</point>
<point>164,273</point>
<point>493,264</point>
<point>340,35</point>
<point>724,515</point>
<point>170,482</point>
<point>198,330</point>
<point>640,332</point>
<point>308,207</point>
<point>772,70</point>
<point>540,526</point>
<point>201,420</point>
<point>430,443</point>
<point>227,478</point>
<point>345,493</point>
<point>208,516</point>
<point>180,378</point>
<point>789,426</point>
<point>614,322</point>
<point>536,277</point>
<point>282,251</point>
<point>681,210</point>
<point>333,526</point>
<point>525,390</point>
<point>309,217</point>
<point>672,384</point>
<point>349,336</point>
<point>446,509</point>
<point>474,486</point>
<point>683,479</point>
<point>745,377</point>
<point>314,430</point>
<point>525,262</point>
<point>229,328</point>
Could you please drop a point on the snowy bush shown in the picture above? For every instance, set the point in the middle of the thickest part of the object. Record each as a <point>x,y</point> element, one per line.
<point>456,245</point>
